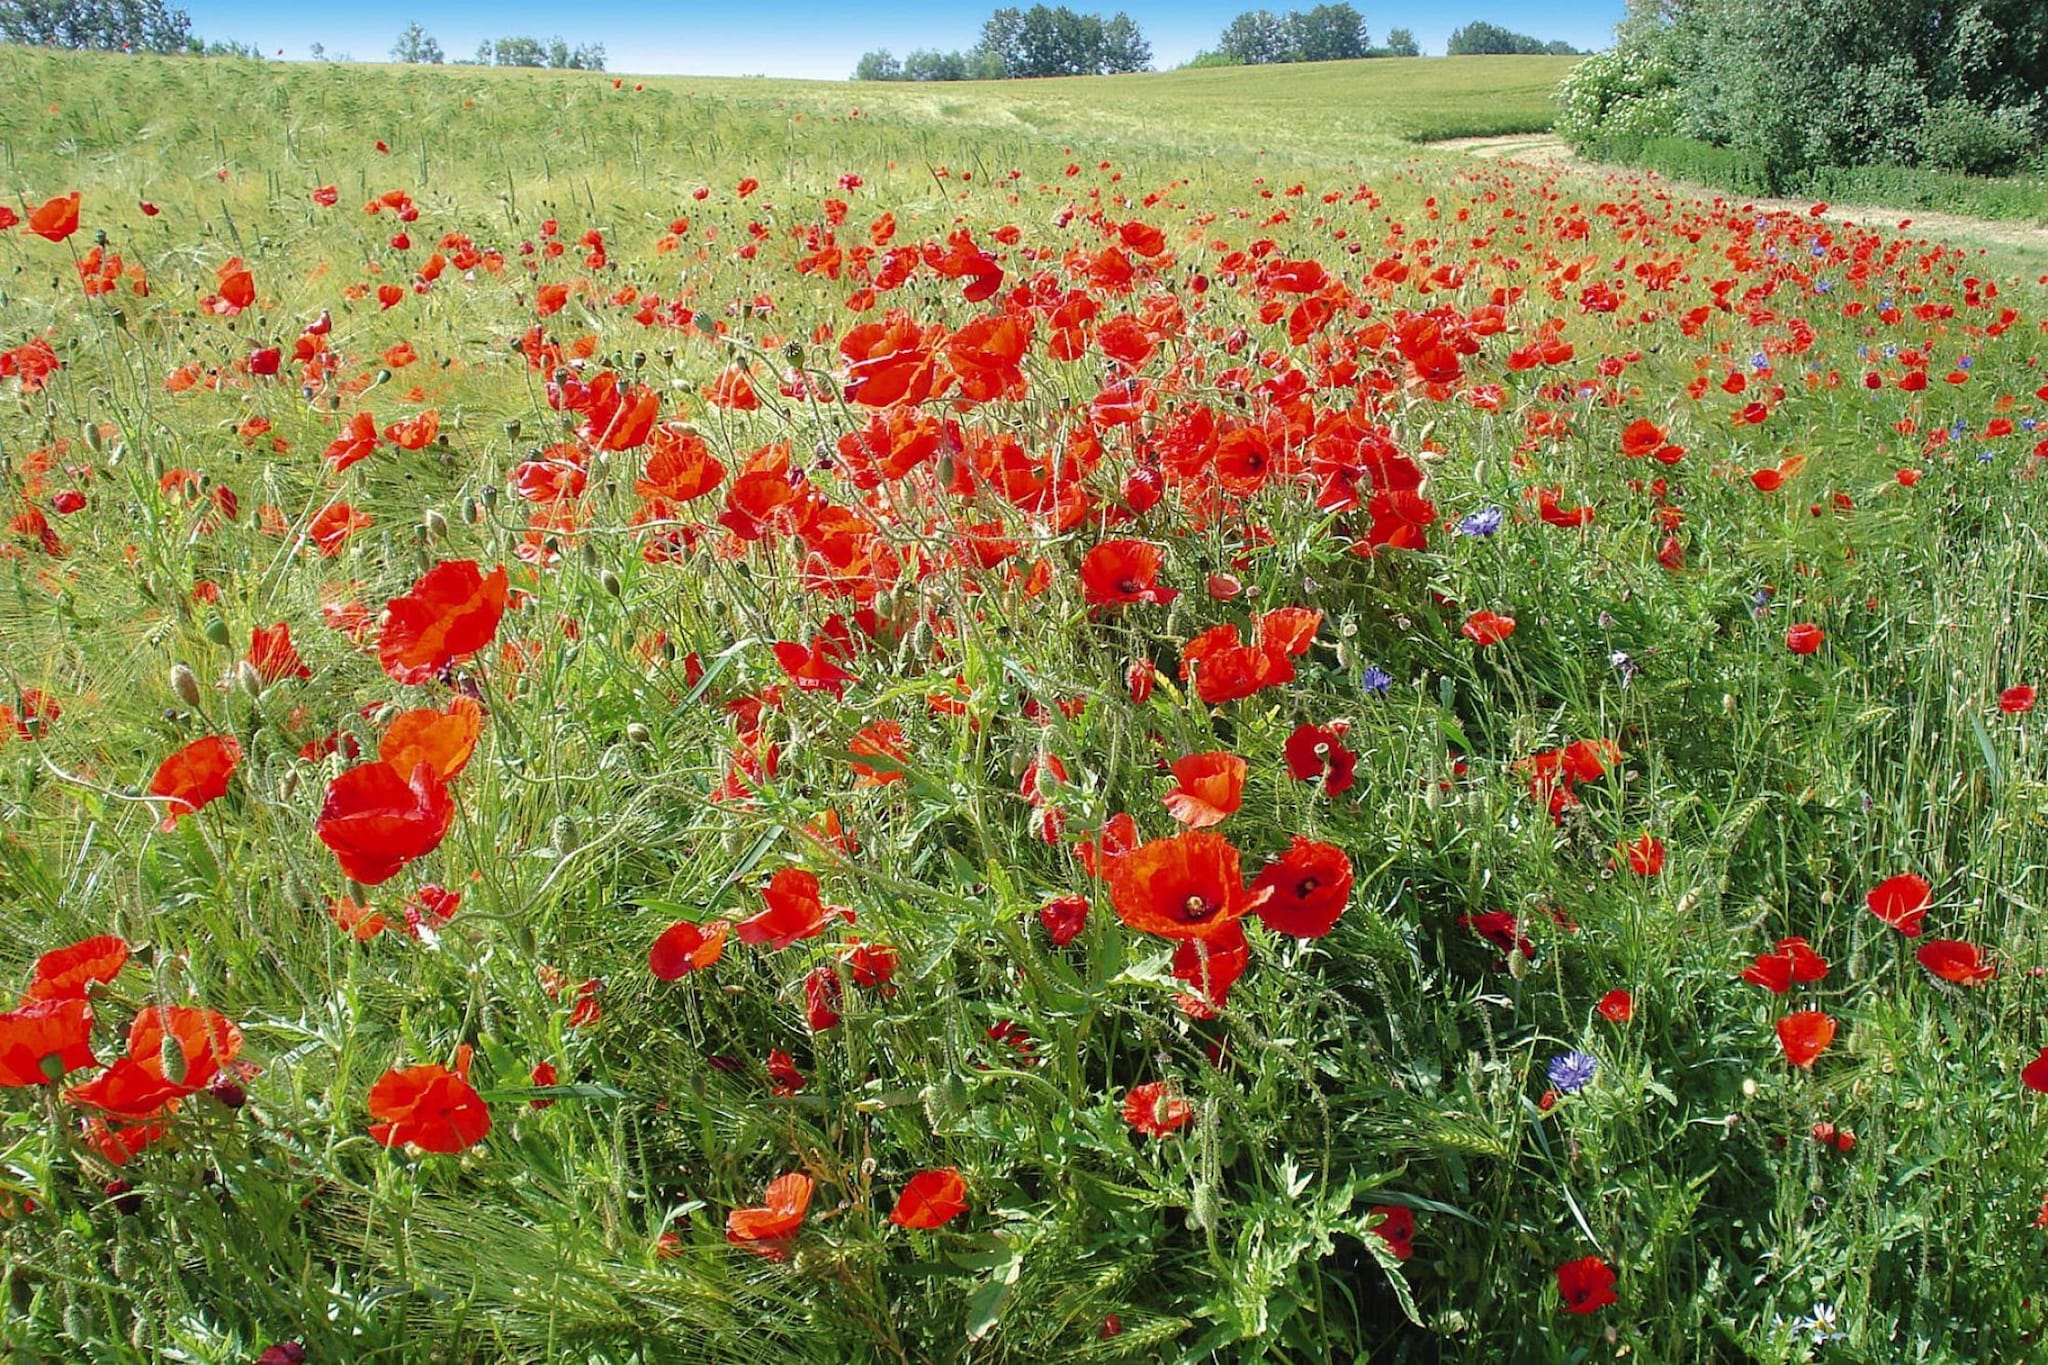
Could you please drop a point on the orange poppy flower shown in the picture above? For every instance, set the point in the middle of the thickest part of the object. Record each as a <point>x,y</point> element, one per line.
<point>333,524</point>
<point>1805,1036</point>
<point>67,973</point>
<point>1957,961</point>
<point>414,433</point>
<point>443,740</point>
<point>55,219</point>
<point>429,1107</point>
<point>1211,786</point>
<point>931,1199</point>
<point>376,821</point>
<point>450,614</point>
<point>195,776</point>
<point>1308,888</point>
<point>767,1229</point>
<point>1488,627</point>
<point>684,948</point>
<point>883,740</point>
<point>1156,1109</point>
<point>1225,669</point>
<point>137,1086</point>
<point>680,467</point>
<point>358,441</point>
<point>1189,886</point>
<point>890,362</point>
<point>43,1040</point>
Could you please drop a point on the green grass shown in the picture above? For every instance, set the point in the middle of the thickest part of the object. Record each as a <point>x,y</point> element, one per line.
<point>1400,1062</point>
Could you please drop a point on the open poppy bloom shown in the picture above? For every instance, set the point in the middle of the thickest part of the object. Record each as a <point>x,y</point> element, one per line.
<point>55,219</point>
<point>684,947</point>
<point>1117,572</point>
<point>881,741</point>
<point>1792,960</point>
<point>2034,1075</point>
<point>1211,786</point>
<point>1189,886</point>
<point>195,776</point>
<point>43,1040</point>
<point>1209,967</point>
<point>1617,1007</point>
<point>1314,751</point>
<point>1957,961</point>
<point>1064,917</point>
<point>1224,668</point>
<point>1156,1109</point>
<point>1644,856</point>
<point>1488,627</point>
<point>142,1083</point>
<point>377,821</point>
<point>794,911</point>
<point>2016,701</point>
<point>273,656</point>
<point>1307,889</point>
<point>443,740</point>
<point>1586,1285</point>
<point>428,1107</point>
<point>1901,902</point>
<point>450,614</point>
<point>930,1199</point>
<point>767,1229</point>
<point>67,973</point>
<point>1805,1036</point>
<point>1805,638</point>
<point>1396,1228</point>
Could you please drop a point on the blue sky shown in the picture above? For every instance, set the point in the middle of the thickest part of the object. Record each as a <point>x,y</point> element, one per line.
<point>807,38</point>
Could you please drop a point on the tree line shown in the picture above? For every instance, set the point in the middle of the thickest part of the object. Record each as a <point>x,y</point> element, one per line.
<point>1021,44</point>
<point>417,46</point>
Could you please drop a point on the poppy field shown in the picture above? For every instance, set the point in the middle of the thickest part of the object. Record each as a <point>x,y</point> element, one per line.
<point>668,720</point>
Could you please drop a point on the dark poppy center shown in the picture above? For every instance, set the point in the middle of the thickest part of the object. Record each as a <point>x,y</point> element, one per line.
<point>1130,585</point>
<point>1306,886</point>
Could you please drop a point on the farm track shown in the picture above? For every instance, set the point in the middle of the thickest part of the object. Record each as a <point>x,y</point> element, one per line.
<point>1550,151</point>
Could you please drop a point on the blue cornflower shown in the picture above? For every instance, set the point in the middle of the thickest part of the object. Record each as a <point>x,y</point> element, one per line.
<point>1377,680</point>
<point>1484,522</point>
<point>1760,361</point>
<point>1572,1072</point>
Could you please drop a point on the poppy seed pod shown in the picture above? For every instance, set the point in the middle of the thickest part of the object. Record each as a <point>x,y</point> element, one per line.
<point>185,683</point>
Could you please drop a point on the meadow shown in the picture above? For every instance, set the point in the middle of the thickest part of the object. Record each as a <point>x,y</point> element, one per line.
<point>1105,720</point>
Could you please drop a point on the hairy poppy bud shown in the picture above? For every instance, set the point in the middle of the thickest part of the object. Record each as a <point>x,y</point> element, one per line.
<point>185,683</point>
<point>636,733</point>
<point>611,583</point>
<point>436,524</point>
<point>512,429</point>
<point>171,1058</point>
<point>488,495</point>
<point>250,680</point>
<point>217,630</point>
<point>566,836</point>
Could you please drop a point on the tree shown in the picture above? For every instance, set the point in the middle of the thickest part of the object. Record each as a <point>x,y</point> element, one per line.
<point>929,65</point>
<point>518,51</point>
<point>1401,43</point>
<point>1123,45</point>
<point>1327,33</point>
<point>416,45</point>
<point>1254,38</point>
<point>96,25</point>
<point>1481,39</point>
<point>879,65</point>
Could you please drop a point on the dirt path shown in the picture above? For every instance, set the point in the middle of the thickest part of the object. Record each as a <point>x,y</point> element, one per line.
<point>1544,149</point>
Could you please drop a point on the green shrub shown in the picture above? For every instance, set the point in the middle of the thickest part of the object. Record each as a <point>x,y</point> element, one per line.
<point>1960,136</point>
<point>1629,93</point>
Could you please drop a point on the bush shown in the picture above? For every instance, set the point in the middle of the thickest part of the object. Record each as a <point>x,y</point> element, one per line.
<point>1618,93</point>
<point>1960,136</point>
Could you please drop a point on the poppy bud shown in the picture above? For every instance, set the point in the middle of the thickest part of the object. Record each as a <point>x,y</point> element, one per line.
<point>1518,965</point>
<point>471,513</point>
<point>250,680</point>
<point>171,1058</point>
<point>611,583</point>
<point>288,785</point>
<point>436,524</point>
<point>512,429</point>
<point>185,683</point>
<point>565,834</point>
<point>636,733</point>
<point>488,495</point>
<point>217,630</point>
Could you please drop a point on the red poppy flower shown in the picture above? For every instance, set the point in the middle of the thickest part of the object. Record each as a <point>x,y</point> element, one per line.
<point>890,362</point>
<point>884,741</point>
<point>1957,961</point>
<point>55,219</point>
<point>1901,902</point>
<point>1805,638</point>
<point>195,776</point>
<point>1617,1006</point>
<point>1289,630</point>
<point>768,1228</point>
<point>273,656</point>
<point>1314,751</point>
<point>1586,1285</point>
<point>2016,701</point>
<point>1120,571</point>
<point>1396,1228</point>
<point>815,669</point>
<point>680,467</point>
<point>1805,1036</point>
<point>1209,967</point>
<point>377,821</point>
<point>43,1040</point>
<point>138,1085</point>
<point>428,1107</point>
<point>1307,888</point>
<point>1211,786</point>
<point>1189,886</point>
<point>450,614</point>
<point>684,948</point>
<point>1064,917</point>
<point>1156,1109</point>
<point>332,525</point>
<point>931,1199</point>
<point>2035,1077</point>
<point>1225,669</point>
<point>443,740</point>
<point>68,973</point>
<point>1792,960</point>
<point>1488,628</point>
<point>1645,856</point>
<point>794,911</point>
<point>1500,928</point>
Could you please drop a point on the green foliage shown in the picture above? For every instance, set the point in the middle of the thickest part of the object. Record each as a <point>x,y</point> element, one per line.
<point>1625,92</point>
<point>1401,43</point>
<point>1957,85</point>
<point>1057,41</point>
<point>96,25</point>
<point>1327,33</point>
<point>554,54</point>
<point>1481,38</point>
<point>416,45</point>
